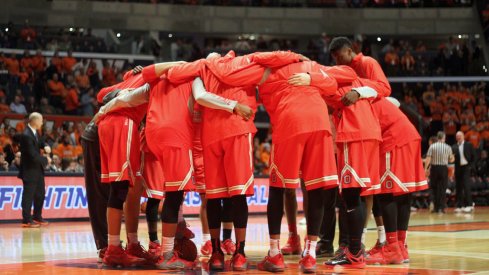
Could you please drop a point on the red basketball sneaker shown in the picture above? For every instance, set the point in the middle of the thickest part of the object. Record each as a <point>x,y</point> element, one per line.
<point>376,258</point>
<point>216,262</point>
<point>172,261</point>
<point>404,252</point>
<point>101,254</point>
<point>137,250</point>
<point>228,247</point>
<point>272,264</point>
<point>377,248</point>
<point>392,253</point>
<point>293,246</point>
<point>349,260</point>
<point>117,256</point>
<point>206,249</point>
<point>308,264</point>
<point>154,249</point>
<point>239,262</point>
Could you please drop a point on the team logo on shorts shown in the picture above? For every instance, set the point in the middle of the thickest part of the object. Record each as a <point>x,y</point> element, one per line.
<point>346,179</point>
<point>273,178</point>
<point>388,184</point>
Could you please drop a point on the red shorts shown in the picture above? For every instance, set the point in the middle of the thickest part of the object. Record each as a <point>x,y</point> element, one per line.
<point>153,179</point>
<point>198,157</point>
<point>177,166</point>
<point>358,166</point>
<point>119,149</point>
<point>311,154</point>
<point>229,167</point>
<point>402,170</point>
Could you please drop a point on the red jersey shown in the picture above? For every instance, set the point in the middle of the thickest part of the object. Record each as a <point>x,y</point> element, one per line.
<point>355,122</point>
<point>368,68</point>
<point>296,110</point>
<point>396,128</point>
<point>233,78</point>
<point>131,81</point>
<point>169,120</point>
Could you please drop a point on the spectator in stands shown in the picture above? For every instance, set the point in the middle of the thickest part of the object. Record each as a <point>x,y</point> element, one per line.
<point>55,165</point>
<point>12,65</point>
<point>4,108</point>
<point>72,102</point>
<point>68,62</point>
<point>108,74</point>
<point>31,105</point>
<point>74,167</point>
<point>28,35</point>
<point>82,80</point>
<point>65,150</point>
<point>15,166</point>
<point>4,165</point>
<point>38,62</point>
<point>56,91</point>
<point>45,108</point>
<point>407,63</point>
<point>88,103</point>
<point>92,73</point>
<point>265,158</point>
<point>17,106</point>
<point>473,136</point>
<point>391,60</point>
<point>26,62</point>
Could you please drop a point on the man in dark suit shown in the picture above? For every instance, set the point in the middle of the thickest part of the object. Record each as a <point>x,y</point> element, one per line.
<point>464,160</point>
<point>32,173</point>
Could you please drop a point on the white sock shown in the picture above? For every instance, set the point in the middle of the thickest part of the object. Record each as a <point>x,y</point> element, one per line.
<point>206,237</point>
<point>310,248</point>
<point>364,234</point>
<point>274,247</point>
<point>180,214</point>
<point>167,245</point>
<point>381,233</point>
<point>132,238</point>
<point>114,240</point>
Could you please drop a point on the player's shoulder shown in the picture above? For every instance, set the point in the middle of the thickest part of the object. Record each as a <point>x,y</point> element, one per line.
<point>366,59</point>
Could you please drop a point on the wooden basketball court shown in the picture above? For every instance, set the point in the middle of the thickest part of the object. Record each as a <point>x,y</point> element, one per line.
<point>438,244</point>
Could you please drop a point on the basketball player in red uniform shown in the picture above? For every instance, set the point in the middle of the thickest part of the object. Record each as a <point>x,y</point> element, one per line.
<point>119,152</point>
<point>227,141</point>
<point>357,138</point>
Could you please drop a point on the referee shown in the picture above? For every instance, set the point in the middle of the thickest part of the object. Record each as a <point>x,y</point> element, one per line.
<point>437,159</point>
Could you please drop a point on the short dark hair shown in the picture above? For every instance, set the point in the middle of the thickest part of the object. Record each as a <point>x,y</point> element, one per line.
<point>338,43</point>
<point>440,135</point>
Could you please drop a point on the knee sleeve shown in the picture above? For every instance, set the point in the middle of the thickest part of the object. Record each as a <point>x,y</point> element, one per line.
<point>152,210</point>
<point>351,197</point>
<point>315,210</point>
<point>275,209</point>
<point>171,206</point>
<point>377,208</point>
<point>214,212</point>
<point>118,194</point>
<point>227,210</point>
<point>240,208</point>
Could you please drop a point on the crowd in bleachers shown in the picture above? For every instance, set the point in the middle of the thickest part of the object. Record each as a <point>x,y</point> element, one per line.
<point>62,142</point>
<point>312,3</point>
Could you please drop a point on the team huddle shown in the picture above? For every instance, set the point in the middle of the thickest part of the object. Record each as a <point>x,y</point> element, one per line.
<point>177,127</point>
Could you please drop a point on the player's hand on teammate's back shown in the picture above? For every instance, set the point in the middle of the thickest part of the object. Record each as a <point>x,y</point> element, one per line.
<point>300,79</point>
<point>350,98</point>
<point>136,70</point>
<point>243,111</point>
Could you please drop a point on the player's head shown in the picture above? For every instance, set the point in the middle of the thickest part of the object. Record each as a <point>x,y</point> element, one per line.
<point>213,55</point>
<point>341,50</point>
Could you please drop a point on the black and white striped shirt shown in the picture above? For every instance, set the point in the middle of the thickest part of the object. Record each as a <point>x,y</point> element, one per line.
<point>440,153</point>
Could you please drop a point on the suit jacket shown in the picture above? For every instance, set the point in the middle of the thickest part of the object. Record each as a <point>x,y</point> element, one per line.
<point>32,163</point>
<point>469,154</point>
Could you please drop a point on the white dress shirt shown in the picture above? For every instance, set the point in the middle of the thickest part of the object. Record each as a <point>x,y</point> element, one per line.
<point>463,160</point>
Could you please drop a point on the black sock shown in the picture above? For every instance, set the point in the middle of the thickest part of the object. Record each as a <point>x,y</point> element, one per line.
<point>240,248</point>
<point>153,236</point>
<point>216,245</point>
<point>226,233</point>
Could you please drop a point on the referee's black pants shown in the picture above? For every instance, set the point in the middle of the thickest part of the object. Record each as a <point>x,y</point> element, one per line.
<point>97,193</point>
<point>439,183</point>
